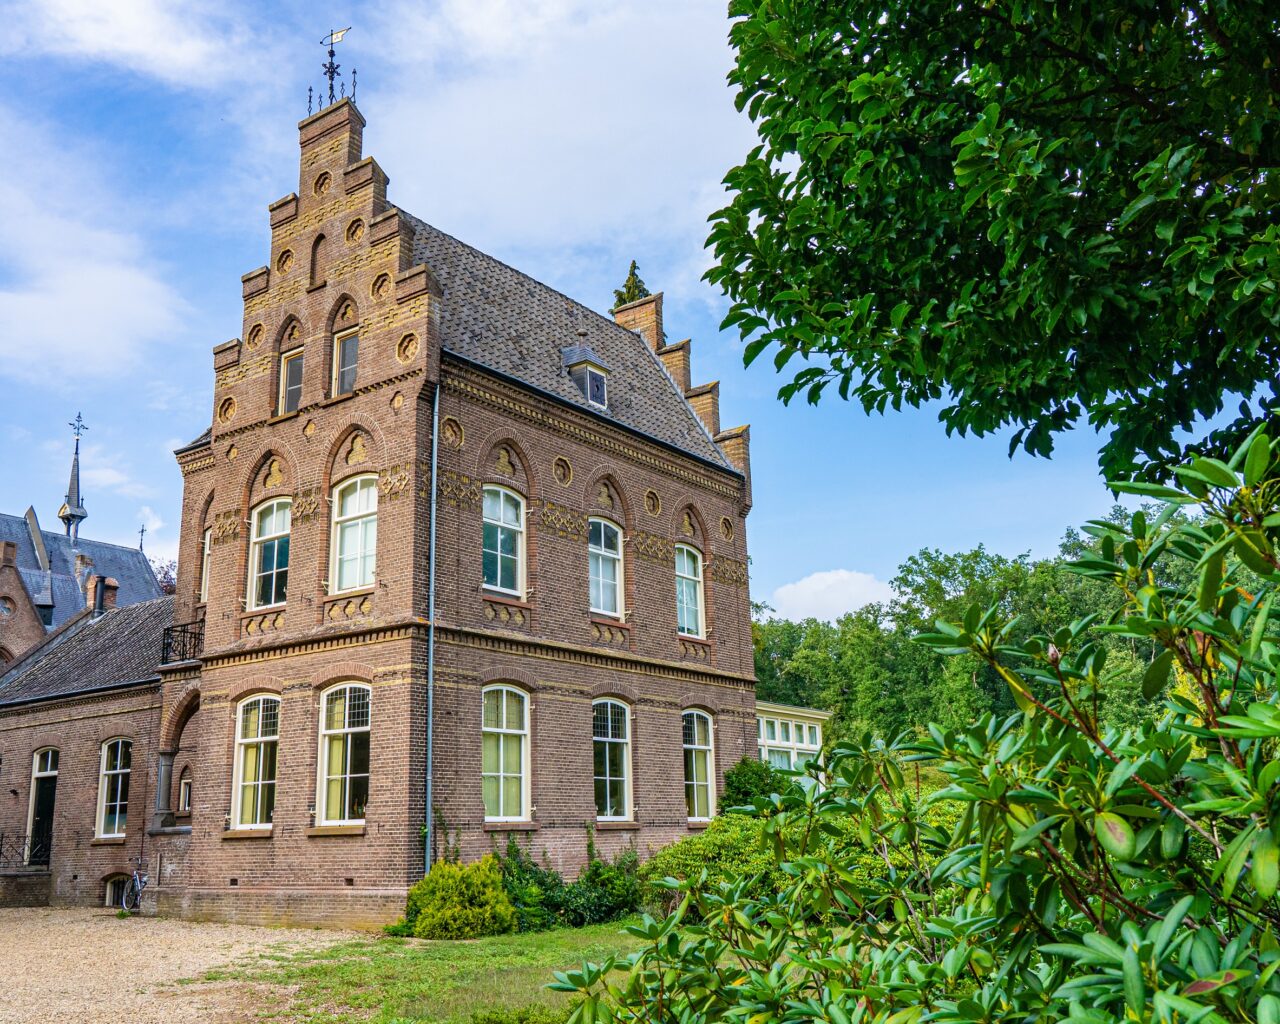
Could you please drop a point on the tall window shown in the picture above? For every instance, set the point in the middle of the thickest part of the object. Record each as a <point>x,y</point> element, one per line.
<point>355,533</point>
<point>604,553</point>
<point>113,788</point>
<point>290,381</point>
<point>269,554</point>
<point>611,754</point>
<point>346,355</point>
<point>699,793</point>
<point>344,747</point>
<point>689,616</point>
<point>257,739</point>
<point>184,792</point>
<point>503,545</point>
<point>505,754</point>
<point>206,553</point>
<point>787,743</point>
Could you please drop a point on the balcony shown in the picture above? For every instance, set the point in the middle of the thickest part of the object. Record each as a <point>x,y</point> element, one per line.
<point>182,642</point>
<point>22,851</point>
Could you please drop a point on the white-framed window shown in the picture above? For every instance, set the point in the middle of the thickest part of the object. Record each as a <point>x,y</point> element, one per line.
<point>113,788</point>
<point>787,742</point>
<point>503,542</point>
<point>206,556</point>
<point>184,791</point>
<point>355,533</point>
<point>604,554</point>
<point>611,758</point>
<point>699,789</point>
<point>44,788</point>
<point>257,743</point>
<point>344,754</point>
<point>505,754</point>
<point>269,553</point>
<point>290,381</point>
<point>689,617</point>
<point>346,358</point>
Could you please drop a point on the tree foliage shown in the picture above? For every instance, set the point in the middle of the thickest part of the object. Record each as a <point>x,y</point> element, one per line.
<point>1088,873</point>
<point>633,288</point>
<point>1040,214</point>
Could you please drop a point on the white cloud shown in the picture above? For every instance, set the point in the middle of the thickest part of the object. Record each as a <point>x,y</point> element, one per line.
<point>187,44</point>
<point>828,595</point>
<point>148,518</point>
<point>79,296</point>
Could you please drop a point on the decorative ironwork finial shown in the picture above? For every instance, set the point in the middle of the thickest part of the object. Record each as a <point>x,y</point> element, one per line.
<point>353,85</point>
<point>78,426</point>
<point>310,90</point>
<point>142,532</point>
<point>330,68</point>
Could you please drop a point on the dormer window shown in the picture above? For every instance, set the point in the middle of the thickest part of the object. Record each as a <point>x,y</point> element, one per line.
<point>589,373</point>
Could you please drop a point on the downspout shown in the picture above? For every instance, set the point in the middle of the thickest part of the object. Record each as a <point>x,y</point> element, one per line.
<point>429,826</point>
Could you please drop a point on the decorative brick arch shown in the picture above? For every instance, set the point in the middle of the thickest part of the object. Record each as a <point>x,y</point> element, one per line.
<point>253,487</point>
<point>343,672</point>
<point>516,676</point>
<point>367,458</point>
<point>620,690</point>
<point>623,512</point>
<point>272,685</point>
<point>524,480</point>
<point>176,716</point>
<point>282,342</point>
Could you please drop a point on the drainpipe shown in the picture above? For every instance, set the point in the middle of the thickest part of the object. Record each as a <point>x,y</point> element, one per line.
<point>431,631</point>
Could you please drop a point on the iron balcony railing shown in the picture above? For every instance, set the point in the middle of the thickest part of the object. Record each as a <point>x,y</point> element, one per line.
<point>18,851</point>
<point>182,642</point>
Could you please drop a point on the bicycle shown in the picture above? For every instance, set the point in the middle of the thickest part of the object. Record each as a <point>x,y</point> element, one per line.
<point>132,896</point>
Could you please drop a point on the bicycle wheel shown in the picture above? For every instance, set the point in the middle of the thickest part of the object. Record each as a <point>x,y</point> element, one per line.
<point>132,894</point>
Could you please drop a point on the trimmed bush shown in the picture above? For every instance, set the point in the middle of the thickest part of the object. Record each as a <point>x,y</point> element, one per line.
<point>532,1014</point>
<point>457,901</point>
<point>543,899</point>
<point>748,779</point>
<point>536,893</point>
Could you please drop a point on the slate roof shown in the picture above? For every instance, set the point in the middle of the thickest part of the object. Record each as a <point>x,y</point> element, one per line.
<point>128,566</point>
<point>505,320</point>
<point>120,646</point>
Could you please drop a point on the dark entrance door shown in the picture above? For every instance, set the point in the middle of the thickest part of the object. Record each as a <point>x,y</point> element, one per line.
<point>46,788</point>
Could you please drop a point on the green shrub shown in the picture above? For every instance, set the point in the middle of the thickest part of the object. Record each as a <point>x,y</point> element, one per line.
<point>536,893</point>
<point>730,847</point>
<point>604,891</point>
<point>458,901</point>
<point>748,780</point>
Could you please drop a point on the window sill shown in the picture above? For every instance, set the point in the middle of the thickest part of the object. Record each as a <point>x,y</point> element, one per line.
<point>334,830</point>
<point>501,597</point>
<point>316,287</point>
<point>697,826</point>
<point>605,619</point>
<point>264,609</point>
<point>247,833</point>
<point>337,398</point>
<point>617,826</point>
<point>282,417</point>
<point>353,592</point>
<point>511,826</point>
<point>107,841</point>
<point>694,639</point>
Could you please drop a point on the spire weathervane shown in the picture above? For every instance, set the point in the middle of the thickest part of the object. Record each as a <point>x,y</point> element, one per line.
<point>330,69</point>
<point>73,511</point>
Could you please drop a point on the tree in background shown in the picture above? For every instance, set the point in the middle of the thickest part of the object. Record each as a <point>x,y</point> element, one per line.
<point>1038,213</point>
<point>632,288</point>
<point>166,575</point>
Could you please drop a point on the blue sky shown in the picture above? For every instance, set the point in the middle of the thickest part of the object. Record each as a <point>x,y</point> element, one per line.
<point>145,140</point>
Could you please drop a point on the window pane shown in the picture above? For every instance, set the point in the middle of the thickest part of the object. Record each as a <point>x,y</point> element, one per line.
<point>512,803</point>
<point>508,542</point>
<point>336,713</point>
<point>489,758</point>
<point>594,531</point>
<point>357,796</point>
<point>493,709</point>
<point>508,573</point>
<point>512,754</point>
<point>359,754</point>
<point>357,708</point>
<point>510,510</point>
<point>515,710</point>
<point>602,797</point>
<point>492,504</point>
<point>490,567</point>
<point>492,808</point>
<point>335,762</point>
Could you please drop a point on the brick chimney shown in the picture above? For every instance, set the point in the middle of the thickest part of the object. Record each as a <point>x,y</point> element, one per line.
<point>736,445</point>
<point>645,316</point>
<point>705,399</point>
<point>676,359</point>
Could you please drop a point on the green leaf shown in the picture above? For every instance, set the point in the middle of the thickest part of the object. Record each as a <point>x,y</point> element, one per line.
<point>1210,582</point>
<point>1157,674</point>
<point>1215,472</point>
<point>1265,869</point>
<point>1135,990</point>
<point>1114,835</point>
<point>1257,461</point>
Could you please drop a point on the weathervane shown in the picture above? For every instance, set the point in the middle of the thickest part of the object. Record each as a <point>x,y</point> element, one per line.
<point>78,426</point>
<point>330,68</point>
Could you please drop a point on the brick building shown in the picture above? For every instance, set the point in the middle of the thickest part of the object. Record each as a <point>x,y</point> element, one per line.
<point>461,559</point>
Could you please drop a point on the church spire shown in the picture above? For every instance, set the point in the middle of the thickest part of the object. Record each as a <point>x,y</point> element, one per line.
<point>73,511</point>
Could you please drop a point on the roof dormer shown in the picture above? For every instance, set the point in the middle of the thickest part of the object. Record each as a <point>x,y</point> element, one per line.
<point>589,372</point>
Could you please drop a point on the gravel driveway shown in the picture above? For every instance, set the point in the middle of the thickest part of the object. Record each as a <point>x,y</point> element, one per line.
<point>91,967</point>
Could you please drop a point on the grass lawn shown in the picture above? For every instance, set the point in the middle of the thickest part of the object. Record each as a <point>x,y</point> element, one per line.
<point>398,981</point>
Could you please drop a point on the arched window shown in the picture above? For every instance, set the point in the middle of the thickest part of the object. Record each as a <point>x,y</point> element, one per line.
<point>503,545</point>
<point>113,788</point>
<point>269,554</point>
<point>505,754</point>
<point>699,792</point>
<point>257,740</point>
<point>290,381</point>
<point>611,757</point>
<point>689,616</point>
<point>604,555</point>
<point>44,789</point>
<point>355,533</point>
<point>344,752</point>
<point>346,360</point>
<point>206,552</point>
<point>184,791</point>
